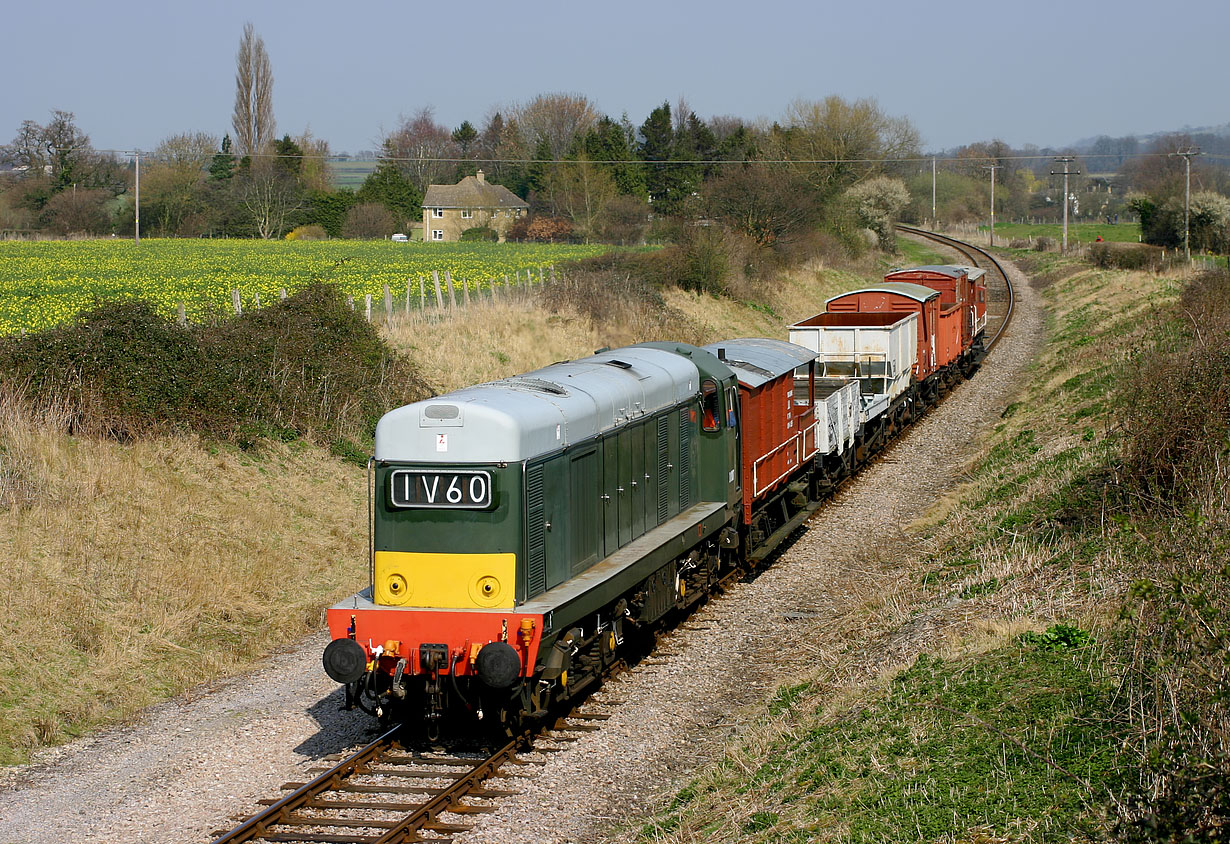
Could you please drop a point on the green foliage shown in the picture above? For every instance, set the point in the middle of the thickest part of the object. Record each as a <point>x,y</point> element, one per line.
<point>1058,637</point>
<point>327,209</point>
<point>1126,256</point>
<point>394,191</point>
<point>307,366</point>
<point>480,234</point>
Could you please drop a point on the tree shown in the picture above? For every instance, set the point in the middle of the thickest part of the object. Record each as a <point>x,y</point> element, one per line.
<point>770,204</point>
<point>252,118</point>
<point>78,211</point>
<point>368,220</point>
<point>270,195</point>
<point>391,189</point>
<point>222,165</point>
<point>581,190</point>
<point>608,141</point>
<point>421,149</point>
<point>834,143</point>
<point>172,181</point>
<point>1210,222</point>
<point>877,203</point>
<point>556,119</point>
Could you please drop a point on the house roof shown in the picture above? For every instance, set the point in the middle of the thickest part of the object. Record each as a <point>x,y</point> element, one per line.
<point>472,192</point>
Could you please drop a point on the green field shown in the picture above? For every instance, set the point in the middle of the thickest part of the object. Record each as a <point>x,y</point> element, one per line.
<point>1077,233</point>
<point>45,283</point>
<point>350,174</point>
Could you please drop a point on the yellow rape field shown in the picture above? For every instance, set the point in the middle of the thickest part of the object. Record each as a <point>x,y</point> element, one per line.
<point>45,283</point>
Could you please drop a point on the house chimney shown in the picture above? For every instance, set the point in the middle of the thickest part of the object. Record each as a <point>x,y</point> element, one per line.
<point>482,180</point>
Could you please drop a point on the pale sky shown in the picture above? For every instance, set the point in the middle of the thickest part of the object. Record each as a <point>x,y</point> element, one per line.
<point>1044,72</point>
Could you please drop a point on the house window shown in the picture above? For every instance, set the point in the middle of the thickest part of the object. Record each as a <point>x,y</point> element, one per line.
<point>467,213</point>
<point>437,234</point>
<point>437,212</point>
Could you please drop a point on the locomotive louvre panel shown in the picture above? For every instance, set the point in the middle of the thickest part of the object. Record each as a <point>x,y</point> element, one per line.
<point>685,459</point>
<point>535,528</point>
<point>662,480</point>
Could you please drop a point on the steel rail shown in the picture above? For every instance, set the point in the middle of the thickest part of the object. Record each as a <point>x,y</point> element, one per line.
<point>977,256</point>
<point>283,812</point>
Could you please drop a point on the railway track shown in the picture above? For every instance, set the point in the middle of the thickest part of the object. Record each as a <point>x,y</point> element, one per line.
<point>1001,295</point>
<point>389,792</point>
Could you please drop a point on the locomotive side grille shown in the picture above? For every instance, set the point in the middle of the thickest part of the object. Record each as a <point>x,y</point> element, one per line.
<point>685,459</point>
<point>536,568</point>
<point>664,473</point>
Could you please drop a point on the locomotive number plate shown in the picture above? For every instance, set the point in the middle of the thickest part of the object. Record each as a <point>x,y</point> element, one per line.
<point>470,490</point>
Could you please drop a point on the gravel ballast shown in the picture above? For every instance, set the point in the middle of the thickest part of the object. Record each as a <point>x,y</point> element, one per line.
<point>198,763</point>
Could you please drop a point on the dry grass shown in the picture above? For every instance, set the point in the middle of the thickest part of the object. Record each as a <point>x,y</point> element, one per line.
<point>137,570</point>
<point>522,331</point>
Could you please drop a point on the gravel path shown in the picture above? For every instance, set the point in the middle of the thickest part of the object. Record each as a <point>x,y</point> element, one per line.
<point>193,765</point>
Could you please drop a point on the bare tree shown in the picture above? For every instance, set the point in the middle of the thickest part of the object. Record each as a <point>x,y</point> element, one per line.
<point>253,116</point>
<point>270,194</point>
<point>559,119</point>
<point>422,150</point>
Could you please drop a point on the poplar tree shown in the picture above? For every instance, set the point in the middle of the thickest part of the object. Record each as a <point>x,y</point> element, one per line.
<point>253,116</point>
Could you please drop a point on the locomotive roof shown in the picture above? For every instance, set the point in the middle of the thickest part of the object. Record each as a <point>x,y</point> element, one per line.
<point>917,292</point>
<point>539,412</point>
<point>756,361</point>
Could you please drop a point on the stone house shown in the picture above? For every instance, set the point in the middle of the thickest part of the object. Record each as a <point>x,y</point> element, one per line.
<point>448,210</point>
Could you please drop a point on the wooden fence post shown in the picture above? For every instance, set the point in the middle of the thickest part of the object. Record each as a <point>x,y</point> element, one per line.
<point>422,293</point>
<point>435,279</point>
<point>367,310</point>
<point>388,303</point>
<point>282,294</point>
<point>350,302</point>
<point>236,303</point>
<point>465,291</point>
<point>258,300</point>
<point>181,317</point>
<point>407,297</point>
<point>452,292</point>
<point>553,273</point>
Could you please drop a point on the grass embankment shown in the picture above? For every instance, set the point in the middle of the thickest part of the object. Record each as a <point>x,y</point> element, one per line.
<point>176,504</point>
<point>1101,505</point>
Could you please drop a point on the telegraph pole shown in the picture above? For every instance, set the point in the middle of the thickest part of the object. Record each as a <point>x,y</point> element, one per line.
<point>992,168</point>
<point>137,205</point>
<point>1187,198</point>
<point>1065,160</point>
<point>933,225</point>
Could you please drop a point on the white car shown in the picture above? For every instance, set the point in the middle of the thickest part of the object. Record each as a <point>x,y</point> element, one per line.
<point>400,238</point>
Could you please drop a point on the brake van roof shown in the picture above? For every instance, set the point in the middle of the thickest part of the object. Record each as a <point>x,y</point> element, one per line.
<point>917,292</point>
<point>756,361</point>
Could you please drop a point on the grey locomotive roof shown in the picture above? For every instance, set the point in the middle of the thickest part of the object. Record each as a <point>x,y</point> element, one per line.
<point>756,361</point>
<point>537,413</point>
<point>472,192</point>
<point>916,292</point>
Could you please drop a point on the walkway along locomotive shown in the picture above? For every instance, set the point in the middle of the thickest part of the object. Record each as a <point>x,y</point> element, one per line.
<point>522,531</point>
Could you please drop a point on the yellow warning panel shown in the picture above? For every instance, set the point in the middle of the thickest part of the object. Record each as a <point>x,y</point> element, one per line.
<point>445,581</point>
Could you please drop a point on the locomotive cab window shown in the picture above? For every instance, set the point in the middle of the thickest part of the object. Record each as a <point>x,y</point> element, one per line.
<point>711,405</point>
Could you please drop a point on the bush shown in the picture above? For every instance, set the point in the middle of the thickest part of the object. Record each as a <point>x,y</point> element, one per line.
<point>541,230</point>
<point>368,221</point>
<point>480,234</point>
<point>1126,256</point>
<point>309,232</point>
<point>306,366</point>
<point>1044,244</point>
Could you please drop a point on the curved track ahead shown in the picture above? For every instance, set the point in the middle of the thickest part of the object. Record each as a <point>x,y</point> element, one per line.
<point>1001,293</point>
<point>362,798</point>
